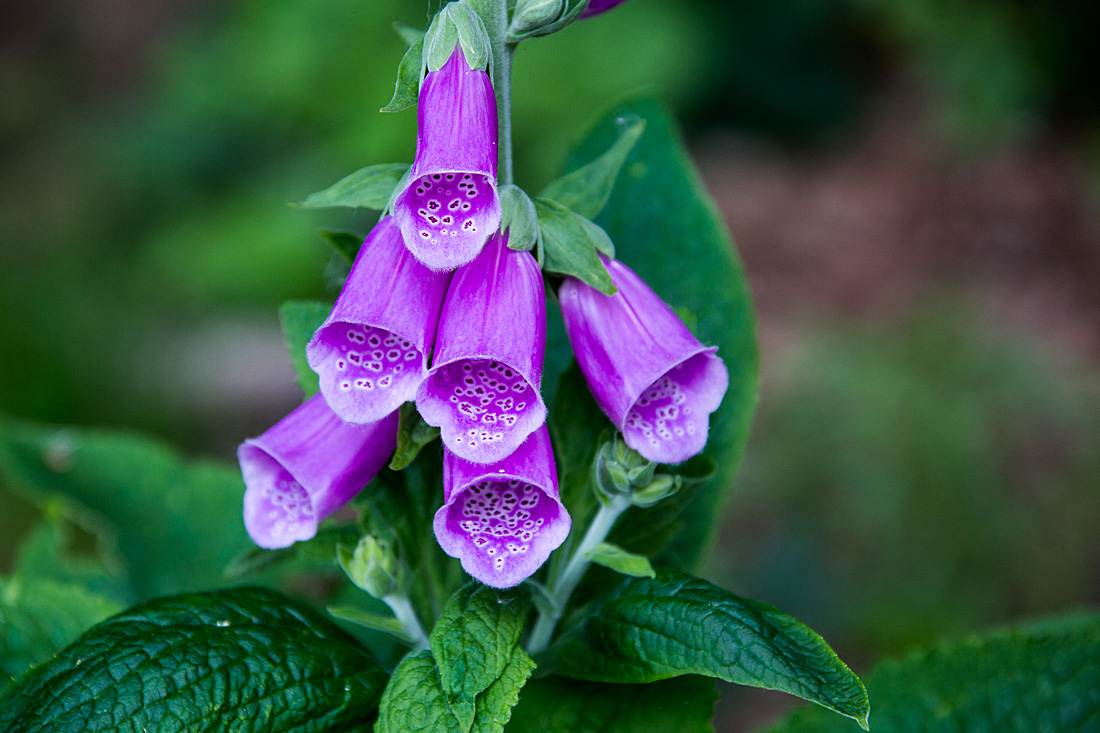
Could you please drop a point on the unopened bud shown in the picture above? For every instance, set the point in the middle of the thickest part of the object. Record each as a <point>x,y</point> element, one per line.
<point>620,470</point>
<point>534,14</point>
<point>661,487</point>
<point>373,566</point>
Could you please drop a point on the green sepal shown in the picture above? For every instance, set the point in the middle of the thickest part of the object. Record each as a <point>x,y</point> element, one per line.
<point>587,189</point>
<point>568,246</point>
<point>345,244</point>
<point>413,434</point>
<point>228,660</point>
<point>407,87</point>
<point>519,218</point>
<point>373,621</point>
<point>617,559</point>
<point>366,188</point>
<point>408,33</point>
<point>457,24</point>
<point>300,319</point>
<point>653,629</point>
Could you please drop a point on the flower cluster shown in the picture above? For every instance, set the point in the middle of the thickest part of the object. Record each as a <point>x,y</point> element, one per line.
<point>437,309</point>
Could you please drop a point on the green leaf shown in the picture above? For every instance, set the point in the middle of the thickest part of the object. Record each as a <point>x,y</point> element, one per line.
<point>366,188</point>
<point>415,700</point>
<point>569,247</point>
<point>300,319</point>
<point>39,617</point>
<point>173,525</point>
<point>1035,678</point>
<point>346,244</point>
<point>681,705</point>
<point>647,630</point>
<point>366,619</point>
<point>617,559</point>
<point>587,189</point>
<point>247,659</point>
<point>46,553</point>
<point>666,228</point>
<point>518,218</point>
<point>407,88</point>
<point>473,641</point>
<point>412,435</point>
<point>408,34</point>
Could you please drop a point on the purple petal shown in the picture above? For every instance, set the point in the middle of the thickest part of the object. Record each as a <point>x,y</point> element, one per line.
<point>307,466</point>
<point>651,377</point>
<point>502,520</point>
<point>595,7</point>
<point>372,351</point>
<point>450,207</point>
<point>483,388</point>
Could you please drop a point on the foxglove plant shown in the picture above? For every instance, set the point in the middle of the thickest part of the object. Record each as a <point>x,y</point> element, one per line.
<point>502,520</point>
<point>372,351</point>
<point>450,206</point>
<point>307,466</point>
<point>483,387</point>
<point>655,381</point>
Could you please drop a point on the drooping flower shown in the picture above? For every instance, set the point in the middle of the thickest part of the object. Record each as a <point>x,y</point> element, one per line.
<point>483,387</point>
<point>648,373</point>
<point>372,351</point>
<point>307,466</point>
<point>450,206</point>
<point>502,520</point>
<point>596,7</point>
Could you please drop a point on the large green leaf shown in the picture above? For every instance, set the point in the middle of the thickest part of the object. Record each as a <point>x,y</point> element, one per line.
<point>473,641</point>
<point>415,700</point>
<point>681,705</point>
<point>647,630</point>
<point>1040,679</point>
<point>666,228</point>
<point>175,525</point>
<point>239,660</point>
<point>39,617</point>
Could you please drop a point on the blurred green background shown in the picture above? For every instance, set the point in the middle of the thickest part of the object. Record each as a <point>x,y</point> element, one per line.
<point>913,185</point>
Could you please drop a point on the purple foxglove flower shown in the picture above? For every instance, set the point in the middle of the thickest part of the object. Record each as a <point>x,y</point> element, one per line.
<point>306,467</point>
<point>595,7</point>
<point>372,350</point>
<point>483,387</point>
<point>450,207</point>
<point>655,381</point>
<point>504,519</point>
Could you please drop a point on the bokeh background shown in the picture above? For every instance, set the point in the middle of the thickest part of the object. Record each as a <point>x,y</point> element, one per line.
<point>914,187</point>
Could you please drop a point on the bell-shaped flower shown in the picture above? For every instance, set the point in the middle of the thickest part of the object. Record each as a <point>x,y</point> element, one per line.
<point>483,387</point>
<point>595,7</point>
<point>307,466</point>
<point>502,520</point>
<point>372,351</point>
<point>648,373</point>
<point>450,206</point>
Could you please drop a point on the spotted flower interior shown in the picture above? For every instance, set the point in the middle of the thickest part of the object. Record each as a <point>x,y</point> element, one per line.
<point>485,408</point>
<point>369,371</point>
<point>452,215</point>
<point>669,421</point>
<point>278,511</point>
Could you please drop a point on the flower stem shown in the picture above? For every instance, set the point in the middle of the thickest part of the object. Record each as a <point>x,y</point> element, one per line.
<point>566,583</point>
<point>404,613</point>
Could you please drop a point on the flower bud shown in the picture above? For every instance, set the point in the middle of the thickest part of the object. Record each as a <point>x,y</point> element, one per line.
<point>660,488</point>
<point>373,566</point>
<point>533,14</point>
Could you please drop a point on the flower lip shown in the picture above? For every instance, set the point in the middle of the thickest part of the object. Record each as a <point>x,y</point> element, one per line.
<point>371,352</point>
<point>503,520</point>
<point>655,381</point>
<point>483,388</point>
<point>450,206</point>
<point>307,466</point>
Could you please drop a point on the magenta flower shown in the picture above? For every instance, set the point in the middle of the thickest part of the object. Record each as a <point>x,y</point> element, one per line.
<point>595,7</point>
<point>306,467</point>
<point>450,206</point>
<point>483,387</point>
<point>372,351</point>
<point>502,520</point>
<point>655,381</point>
